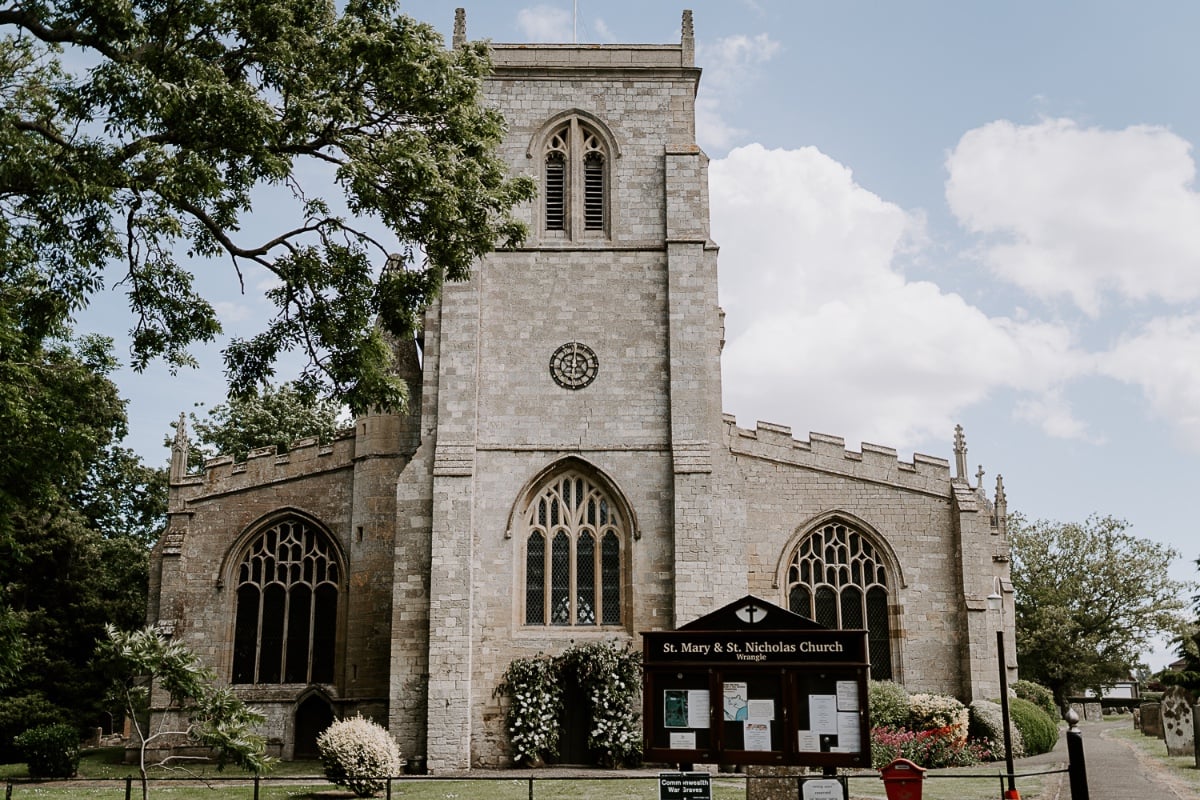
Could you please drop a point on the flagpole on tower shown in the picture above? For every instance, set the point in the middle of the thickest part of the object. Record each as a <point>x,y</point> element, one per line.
<point>575,22</point>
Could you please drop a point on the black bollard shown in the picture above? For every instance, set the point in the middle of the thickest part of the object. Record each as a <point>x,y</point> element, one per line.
<point>1077,768</point>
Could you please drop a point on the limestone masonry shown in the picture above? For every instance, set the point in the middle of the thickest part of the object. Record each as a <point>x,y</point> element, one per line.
<point>564,472</point>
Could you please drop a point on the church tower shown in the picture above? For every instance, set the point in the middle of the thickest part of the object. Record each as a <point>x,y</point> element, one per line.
<point>577,386</point>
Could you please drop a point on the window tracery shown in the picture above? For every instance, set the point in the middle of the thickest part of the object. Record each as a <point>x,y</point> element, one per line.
<point>287,596</point>
<point>573,550</point>
<point>575,186</point>
<point>837,578</point>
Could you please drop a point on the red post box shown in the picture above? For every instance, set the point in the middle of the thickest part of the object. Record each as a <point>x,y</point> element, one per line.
<point>902,779</point>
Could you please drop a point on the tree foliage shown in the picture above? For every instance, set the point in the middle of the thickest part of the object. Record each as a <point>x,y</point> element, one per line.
<point>198,712</point>
<point>1089,597</point>
<point>76,515</point>
<point>141,133</point>
<point>270,416</point>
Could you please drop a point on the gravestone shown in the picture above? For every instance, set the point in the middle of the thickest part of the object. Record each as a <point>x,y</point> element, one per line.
<point>1152,720</point>
<point>1137,719</point>
<point>1093,712</point>
<point>1177,705</point>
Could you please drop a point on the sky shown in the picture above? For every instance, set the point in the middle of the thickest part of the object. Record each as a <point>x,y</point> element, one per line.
<point>929,214</point>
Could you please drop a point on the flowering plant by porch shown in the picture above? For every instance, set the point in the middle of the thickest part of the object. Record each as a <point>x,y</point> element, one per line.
<point>611,679</point>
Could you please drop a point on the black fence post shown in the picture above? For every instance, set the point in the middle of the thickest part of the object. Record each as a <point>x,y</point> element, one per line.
<point>256,786</point>
<point>389,788</point>
<point>128,787</point>
<point>8,790</point>
<point>530,787</point>
<point>1077,768</point>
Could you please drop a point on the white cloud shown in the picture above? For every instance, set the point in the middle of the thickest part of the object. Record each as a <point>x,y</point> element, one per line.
<point>729,64</point>
<point>822,329</point>
<point>545,23</point>
<point>1162,359</point>
<point>1052,412</point>
<point>1081,212</point>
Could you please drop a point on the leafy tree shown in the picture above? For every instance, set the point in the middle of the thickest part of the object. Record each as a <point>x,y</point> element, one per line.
<point>67,565</point>
<point>124,498</point>
<point>1089,596</point>
<point>142,662</point>
<point>265,417</point>
<point>142,133</point>
<point>1187,643</point>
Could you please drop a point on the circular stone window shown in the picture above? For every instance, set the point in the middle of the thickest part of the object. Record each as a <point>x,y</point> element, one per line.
<point>574,365</point>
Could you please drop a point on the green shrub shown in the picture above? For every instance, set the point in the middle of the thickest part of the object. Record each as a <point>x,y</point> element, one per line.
<point>1038,695</point>
<point>18,714</point>
<point>1038,729</point>
<point>359,754</point>
<point>51,751</point>
<point>987,725</point>
<point>888,703</point>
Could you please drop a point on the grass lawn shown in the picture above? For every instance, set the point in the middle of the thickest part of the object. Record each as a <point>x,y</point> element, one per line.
<point>294,779</point>
<point>1182,768</point>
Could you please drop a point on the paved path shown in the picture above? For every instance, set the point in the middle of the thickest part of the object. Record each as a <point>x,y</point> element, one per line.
<point>1116,769</point>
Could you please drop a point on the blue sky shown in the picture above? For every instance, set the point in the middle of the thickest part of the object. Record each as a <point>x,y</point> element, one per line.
<point>929,213</point>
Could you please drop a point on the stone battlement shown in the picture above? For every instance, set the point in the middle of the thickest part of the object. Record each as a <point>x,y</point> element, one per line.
<point>305,457</point>
<point>827,453</point>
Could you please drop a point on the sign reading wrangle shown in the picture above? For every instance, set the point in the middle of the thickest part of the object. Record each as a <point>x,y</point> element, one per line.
<point>753,683</point>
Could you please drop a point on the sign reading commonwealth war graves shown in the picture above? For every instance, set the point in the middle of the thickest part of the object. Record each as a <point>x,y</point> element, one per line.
<point>753,683</point>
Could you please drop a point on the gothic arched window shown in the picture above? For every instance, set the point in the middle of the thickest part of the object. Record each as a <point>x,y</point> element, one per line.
<point>837,578</point>
<point>575,181</point>
<point>573,542</point>
<point>287,596</point>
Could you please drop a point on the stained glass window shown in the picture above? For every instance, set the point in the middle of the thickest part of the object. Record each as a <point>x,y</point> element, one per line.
<point>837,578</point>
<point>578,581</point>
<point>287,594</point>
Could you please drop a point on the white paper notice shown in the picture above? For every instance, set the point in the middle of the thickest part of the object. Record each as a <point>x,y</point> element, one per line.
<point>735,701</point>
<point>849,731</point>
<point>823,790</point>
<point>757,735</point>
<point>760,710</point>
<point>847,695</point>
<point>683,741</point>
<point>697,708</point>
<point>808,742</point>
<point>822,713</point>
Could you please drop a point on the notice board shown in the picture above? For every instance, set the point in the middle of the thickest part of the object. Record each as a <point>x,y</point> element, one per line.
<point>753,683</point>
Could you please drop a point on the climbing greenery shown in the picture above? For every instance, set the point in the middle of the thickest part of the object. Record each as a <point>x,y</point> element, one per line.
<point>610,677</point>
<point>137,137</point>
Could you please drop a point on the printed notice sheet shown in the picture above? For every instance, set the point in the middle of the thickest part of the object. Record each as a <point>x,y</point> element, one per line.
<point>736,698</point>
<point>683,741</point>
<point>847,695</point>
<point>685,708</point>
<point>808,742</point>
<point>849,731</point>
<point>757,735</point>
<point>822,713</point>
<point>760,710</point>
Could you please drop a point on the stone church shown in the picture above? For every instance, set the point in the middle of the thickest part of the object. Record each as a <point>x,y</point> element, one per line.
<point>564,472</point>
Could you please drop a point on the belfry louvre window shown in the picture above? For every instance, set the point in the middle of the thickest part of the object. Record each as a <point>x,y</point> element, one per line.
<point>575,190</point>
<point>287,598</point>
<point>573,544</point>
<point>837,579</point>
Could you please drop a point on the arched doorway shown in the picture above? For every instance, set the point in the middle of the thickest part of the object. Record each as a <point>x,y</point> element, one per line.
<point>313,716</point>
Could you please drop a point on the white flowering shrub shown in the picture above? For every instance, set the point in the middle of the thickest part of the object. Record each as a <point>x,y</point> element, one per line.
<point>611,679</point>
<point>535,699</point>
<point>359,754</point>
<point>927,712</point>
<point>987,725</point>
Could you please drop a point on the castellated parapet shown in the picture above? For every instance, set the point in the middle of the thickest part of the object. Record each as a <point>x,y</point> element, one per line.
<point>826,453</point>
<point>305,457</point>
